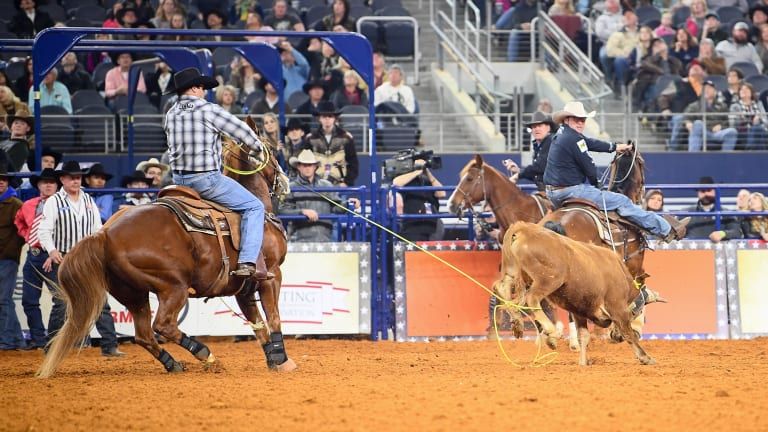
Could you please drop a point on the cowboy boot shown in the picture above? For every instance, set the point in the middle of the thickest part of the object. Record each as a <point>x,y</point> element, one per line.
<point>257,271</point>
<point>678,228</point>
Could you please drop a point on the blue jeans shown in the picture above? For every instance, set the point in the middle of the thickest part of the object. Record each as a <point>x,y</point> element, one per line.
<point>613,201</point>
<point>620,69</point>
<point>607,64</point>
<point>757,137</point>
<point>726,136</point>
<point>30,297</point>
<point>223,190</point>
<point>10,329</point>
<point>676,126</point>
<point>105,323</point>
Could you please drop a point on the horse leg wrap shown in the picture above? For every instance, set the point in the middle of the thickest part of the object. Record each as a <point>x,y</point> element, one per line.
<point>168,362</point>
<point>275,350</point>
<point>637,305</point>
<point>198,349</point>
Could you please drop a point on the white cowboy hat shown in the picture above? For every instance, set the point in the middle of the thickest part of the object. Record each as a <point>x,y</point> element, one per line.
<point>572,109</point>
<point>152,162</point>
<point>306,157</point>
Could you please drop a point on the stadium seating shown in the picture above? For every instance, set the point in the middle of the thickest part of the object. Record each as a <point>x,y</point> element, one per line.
<point>84,98</point>
<point>372,31</point>
<point>648,15</point>
<point>55,115</point>
<point>297,98</point>
<point>100,73</point>
<point>92,13</point>
<point>95,123</point>
<point>729,14</point>
<point>759,82</point>
<point>747,69</point>
<point>56,12</point>
<point>15,70</point>
<point>398,38</point>
<point>392,11</point>
<point>720,82</point>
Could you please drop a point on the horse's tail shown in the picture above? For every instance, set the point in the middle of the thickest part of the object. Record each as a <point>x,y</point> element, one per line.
<point>555,226</point>
<point>83,288</point>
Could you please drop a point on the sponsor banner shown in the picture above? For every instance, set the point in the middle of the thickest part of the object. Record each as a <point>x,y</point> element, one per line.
<point>747,294</point>
<point>433,301</point>
<point>326,289</point>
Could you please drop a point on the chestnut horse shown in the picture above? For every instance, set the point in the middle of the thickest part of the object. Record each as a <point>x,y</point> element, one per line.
<point>146,249</point>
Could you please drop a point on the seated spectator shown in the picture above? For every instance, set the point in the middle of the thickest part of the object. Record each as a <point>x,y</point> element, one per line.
<point>518,19</point>
<point>716,128</point>
<point>294,141</point>
<point>268,103</point>
<point>325,65</point>
<point>733,79</point>
<point>178,21</point>
<point>295,68</point>
<point>742,200</point>
<point>379,69</point>
<point>49,159</point>
<point>652,67</point>
<point>165,12</point>
<point>253,22</point>
<point>712,29</point>
<point>709,60</point>
<point>685,48</point>
<point>626,67</point>
<point>395,90</point>
<point>29,20</point>
<point>214,20</point>
<point>244,78</point>
<point>271,137</point>
<point>22,84</point>
<point>157,84</point>
<point>52,92</point>
<point>701,227</point>
<point>127,17</point>
<point>608,23</point>
<point>621,43</point>
<point>240,9</point>
<point>544,106</point>
<point>137,180</point>
<point>688,91</point>
<point>226,96</point>
<point>95,58</point>
<point>758,17</point>
<point>73,75</point>
<point>17,146</point>
<point>339,16</point>
<point>282,20</point>
<point>351,93</point>
<point>116,81</point>
<point>419,202</point>
<point>762,46</point>
<point>302,201</point>
<point>666,27</point>
<point>756,227</point>
<point>96,178</point>
<point>9,105</point>
<point>562,7</point>
<point>155,170</point>
<point>315,89</point>
<point>696,20</point>
<point>333,147</point>
<point>111,20</point>
<point>654,201</point>
<point>144,11</point>
<point>748,117</point>
<point>739,48</point>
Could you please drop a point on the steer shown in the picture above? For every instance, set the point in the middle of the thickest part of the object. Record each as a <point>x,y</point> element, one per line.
<point>589,281</point>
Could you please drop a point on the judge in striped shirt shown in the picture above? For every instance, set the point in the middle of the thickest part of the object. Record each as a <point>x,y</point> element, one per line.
<point>69,216</point>
<point>27,224</point>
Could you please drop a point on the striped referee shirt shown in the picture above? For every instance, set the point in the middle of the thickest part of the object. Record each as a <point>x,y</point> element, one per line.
<point>194,127</point>
<point>65,222</point>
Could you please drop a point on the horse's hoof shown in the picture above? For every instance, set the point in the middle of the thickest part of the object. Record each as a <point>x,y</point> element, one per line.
<point>287,366</point>
<point>213,366</point>
<point>552,342</point>
<point>574,346</point>
<point>178,367</point>
<point>615,336</point>
<point>647,360</point>
<point>517,329</point>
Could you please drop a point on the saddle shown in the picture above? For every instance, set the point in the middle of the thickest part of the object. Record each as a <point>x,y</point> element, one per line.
<point>199,215</point>
<point>613,231</point>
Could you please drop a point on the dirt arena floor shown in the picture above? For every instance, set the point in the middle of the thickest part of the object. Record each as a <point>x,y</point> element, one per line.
<point>367,386</point>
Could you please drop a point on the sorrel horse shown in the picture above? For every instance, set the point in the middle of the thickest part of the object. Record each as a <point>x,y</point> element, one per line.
<point>146,249</point>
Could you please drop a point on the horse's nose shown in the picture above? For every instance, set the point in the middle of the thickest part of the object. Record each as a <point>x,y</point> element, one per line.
<point>452,208</point>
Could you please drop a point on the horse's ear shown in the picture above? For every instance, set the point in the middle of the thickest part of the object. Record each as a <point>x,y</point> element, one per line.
<point>250,122</point>
<point>478,161</point>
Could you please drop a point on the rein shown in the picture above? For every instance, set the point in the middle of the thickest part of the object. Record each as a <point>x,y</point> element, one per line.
<point>262,164</point>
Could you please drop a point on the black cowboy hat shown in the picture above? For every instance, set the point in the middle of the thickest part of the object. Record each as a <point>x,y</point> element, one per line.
<point>326,108</point>
<point>762,8</point>
<point>540,117</point>
<point>309,85</point>
<point>45,174</point>
<point>127,7</point>
<point>216,12</point>
<point>23,115</point>
<point>98,169</point>
<point>70,168</point>
<point>137,176</point>
<point>294,123</point>
<point>47,151</point>
<point>263,84</point>
<point>191,77</point>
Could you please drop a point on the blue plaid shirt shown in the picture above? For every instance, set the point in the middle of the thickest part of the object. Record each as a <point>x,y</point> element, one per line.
<point>194,127</point>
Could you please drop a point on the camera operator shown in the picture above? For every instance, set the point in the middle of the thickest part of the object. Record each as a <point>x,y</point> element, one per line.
<point>419,202</point>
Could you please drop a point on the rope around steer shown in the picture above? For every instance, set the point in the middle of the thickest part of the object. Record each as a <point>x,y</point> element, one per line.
<point>538,361</point>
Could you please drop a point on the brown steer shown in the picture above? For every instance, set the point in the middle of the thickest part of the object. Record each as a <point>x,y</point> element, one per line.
<point>589,281</point>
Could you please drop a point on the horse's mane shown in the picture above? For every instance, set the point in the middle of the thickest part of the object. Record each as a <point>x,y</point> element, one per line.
<point>473,164</point>
<point>624,181</point>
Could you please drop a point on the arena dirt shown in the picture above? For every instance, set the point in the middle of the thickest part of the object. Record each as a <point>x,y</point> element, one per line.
<point>367,386</point>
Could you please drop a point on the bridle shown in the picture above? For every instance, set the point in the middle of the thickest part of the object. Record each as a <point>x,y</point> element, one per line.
<point>268,160</point>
